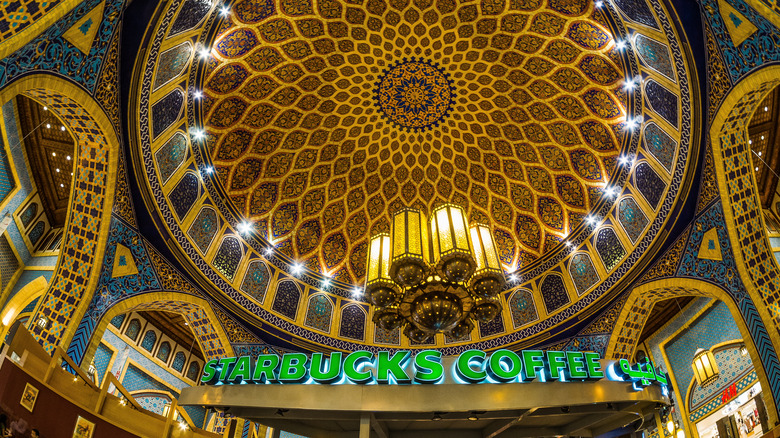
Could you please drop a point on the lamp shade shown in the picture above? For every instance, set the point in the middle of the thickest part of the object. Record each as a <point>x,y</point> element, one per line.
<point>451,243</point>
<point>704,367</point>
<point>488,277</point>
<point>380,289</point>
<point>411,252</point>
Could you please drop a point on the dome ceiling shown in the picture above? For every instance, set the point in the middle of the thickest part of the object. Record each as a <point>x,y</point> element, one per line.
<point>323,120</point>
<point>274,139</point>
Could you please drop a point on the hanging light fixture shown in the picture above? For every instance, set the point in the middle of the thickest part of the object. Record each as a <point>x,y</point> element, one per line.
<point>704,367</point>
<point>433,276</point>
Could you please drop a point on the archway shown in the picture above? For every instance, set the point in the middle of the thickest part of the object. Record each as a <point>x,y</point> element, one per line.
<point>211,337</point>
<point>639,303</point>
<point>741,203</point>
<point>96,159</point>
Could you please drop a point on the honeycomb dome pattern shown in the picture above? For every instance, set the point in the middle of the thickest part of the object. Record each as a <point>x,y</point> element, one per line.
<point>315,144</point>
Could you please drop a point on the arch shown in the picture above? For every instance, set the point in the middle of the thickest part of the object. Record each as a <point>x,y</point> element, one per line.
<point>319,313</point>
<point>610,248</point>
<point>554,294</point>
<point>583,273</point>
<point>522,308</point>
<point>755,261</point>
<point>228,257</point>
<point>211,336</point>
<point>204,228</point>
<point>133,329</point>
<point>193,371</point>
<point>36,232</point>
<point>150,338</point>
<point>178,361</point>
<point>288,295</point>
<point>117,321</point>
<point>640,301</point>
<point>256,279</point>
<point>96,162</point>
<point>26,295</point>
<point>353,322</point>
<point>28,214</point>
<point>164,352</point>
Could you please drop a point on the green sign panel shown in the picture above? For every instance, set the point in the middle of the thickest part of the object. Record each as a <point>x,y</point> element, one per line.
<point>401,367</point>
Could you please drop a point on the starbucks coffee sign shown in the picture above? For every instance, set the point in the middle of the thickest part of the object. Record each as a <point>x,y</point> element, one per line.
<point>401,367</point>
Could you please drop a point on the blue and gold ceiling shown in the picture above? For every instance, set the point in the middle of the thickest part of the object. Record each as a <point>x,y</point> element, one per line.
<point>275,137</point>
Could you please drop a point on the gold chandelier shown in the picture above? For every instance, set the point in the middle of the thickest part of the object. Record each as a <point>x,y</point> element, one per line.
<point>705,368</point>
<point>436,276</point>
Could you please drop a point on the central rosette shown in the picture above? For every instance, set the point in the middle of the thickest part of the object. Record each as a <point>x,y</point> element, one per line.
<point>414,94</point>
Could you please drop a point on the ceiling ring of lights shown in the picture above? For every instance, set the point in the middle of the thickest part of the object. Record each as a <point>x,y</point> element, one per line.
<point>582,241</point>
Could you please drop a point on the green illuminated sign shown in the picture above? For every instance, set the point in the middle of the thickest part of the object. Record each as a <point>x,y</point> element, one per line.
<point>401,367</point>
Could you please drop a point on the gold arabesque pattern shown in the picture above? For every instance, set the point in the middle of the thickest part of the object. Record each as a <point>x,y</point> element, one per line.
<point>300,146</point>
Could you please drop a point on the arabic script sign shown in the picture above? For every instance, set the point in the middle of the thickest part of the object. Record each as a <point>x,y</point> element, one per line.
<point>400,367</point>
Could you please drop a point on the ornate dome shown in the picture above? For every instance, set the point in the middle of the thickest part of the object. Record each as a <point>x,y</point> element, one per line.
<point>276,138</point>
<point>322,120</point>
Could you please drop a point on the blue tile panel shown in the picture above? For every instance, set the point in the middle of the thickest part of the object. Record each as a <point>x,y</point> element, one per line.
<point>102,359</point>
<point>716,325</point>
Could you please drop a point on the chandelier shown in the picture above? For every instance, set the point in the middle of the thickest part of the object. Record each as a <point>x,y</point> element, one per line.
<point>436,276</point>
<point>705,368</point>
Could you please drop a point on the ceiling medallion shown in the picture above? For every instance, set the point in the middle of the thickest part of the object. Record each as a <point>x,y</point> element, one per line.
<point>433,277</point>
<point>414,94</point>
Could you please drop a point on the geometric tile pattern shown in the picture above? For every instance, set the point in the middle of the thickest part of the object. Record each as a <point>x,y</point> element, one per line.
<point>716,402</point>
<point>110,290</point>
<point>16,16</point>
<point>91,178</point>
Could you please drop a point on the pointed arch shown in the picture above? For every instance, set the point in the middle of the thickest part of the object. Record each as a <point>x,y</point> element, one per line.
<point>96,161</point>
<point>635,311</point>
<point>210,334</point>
